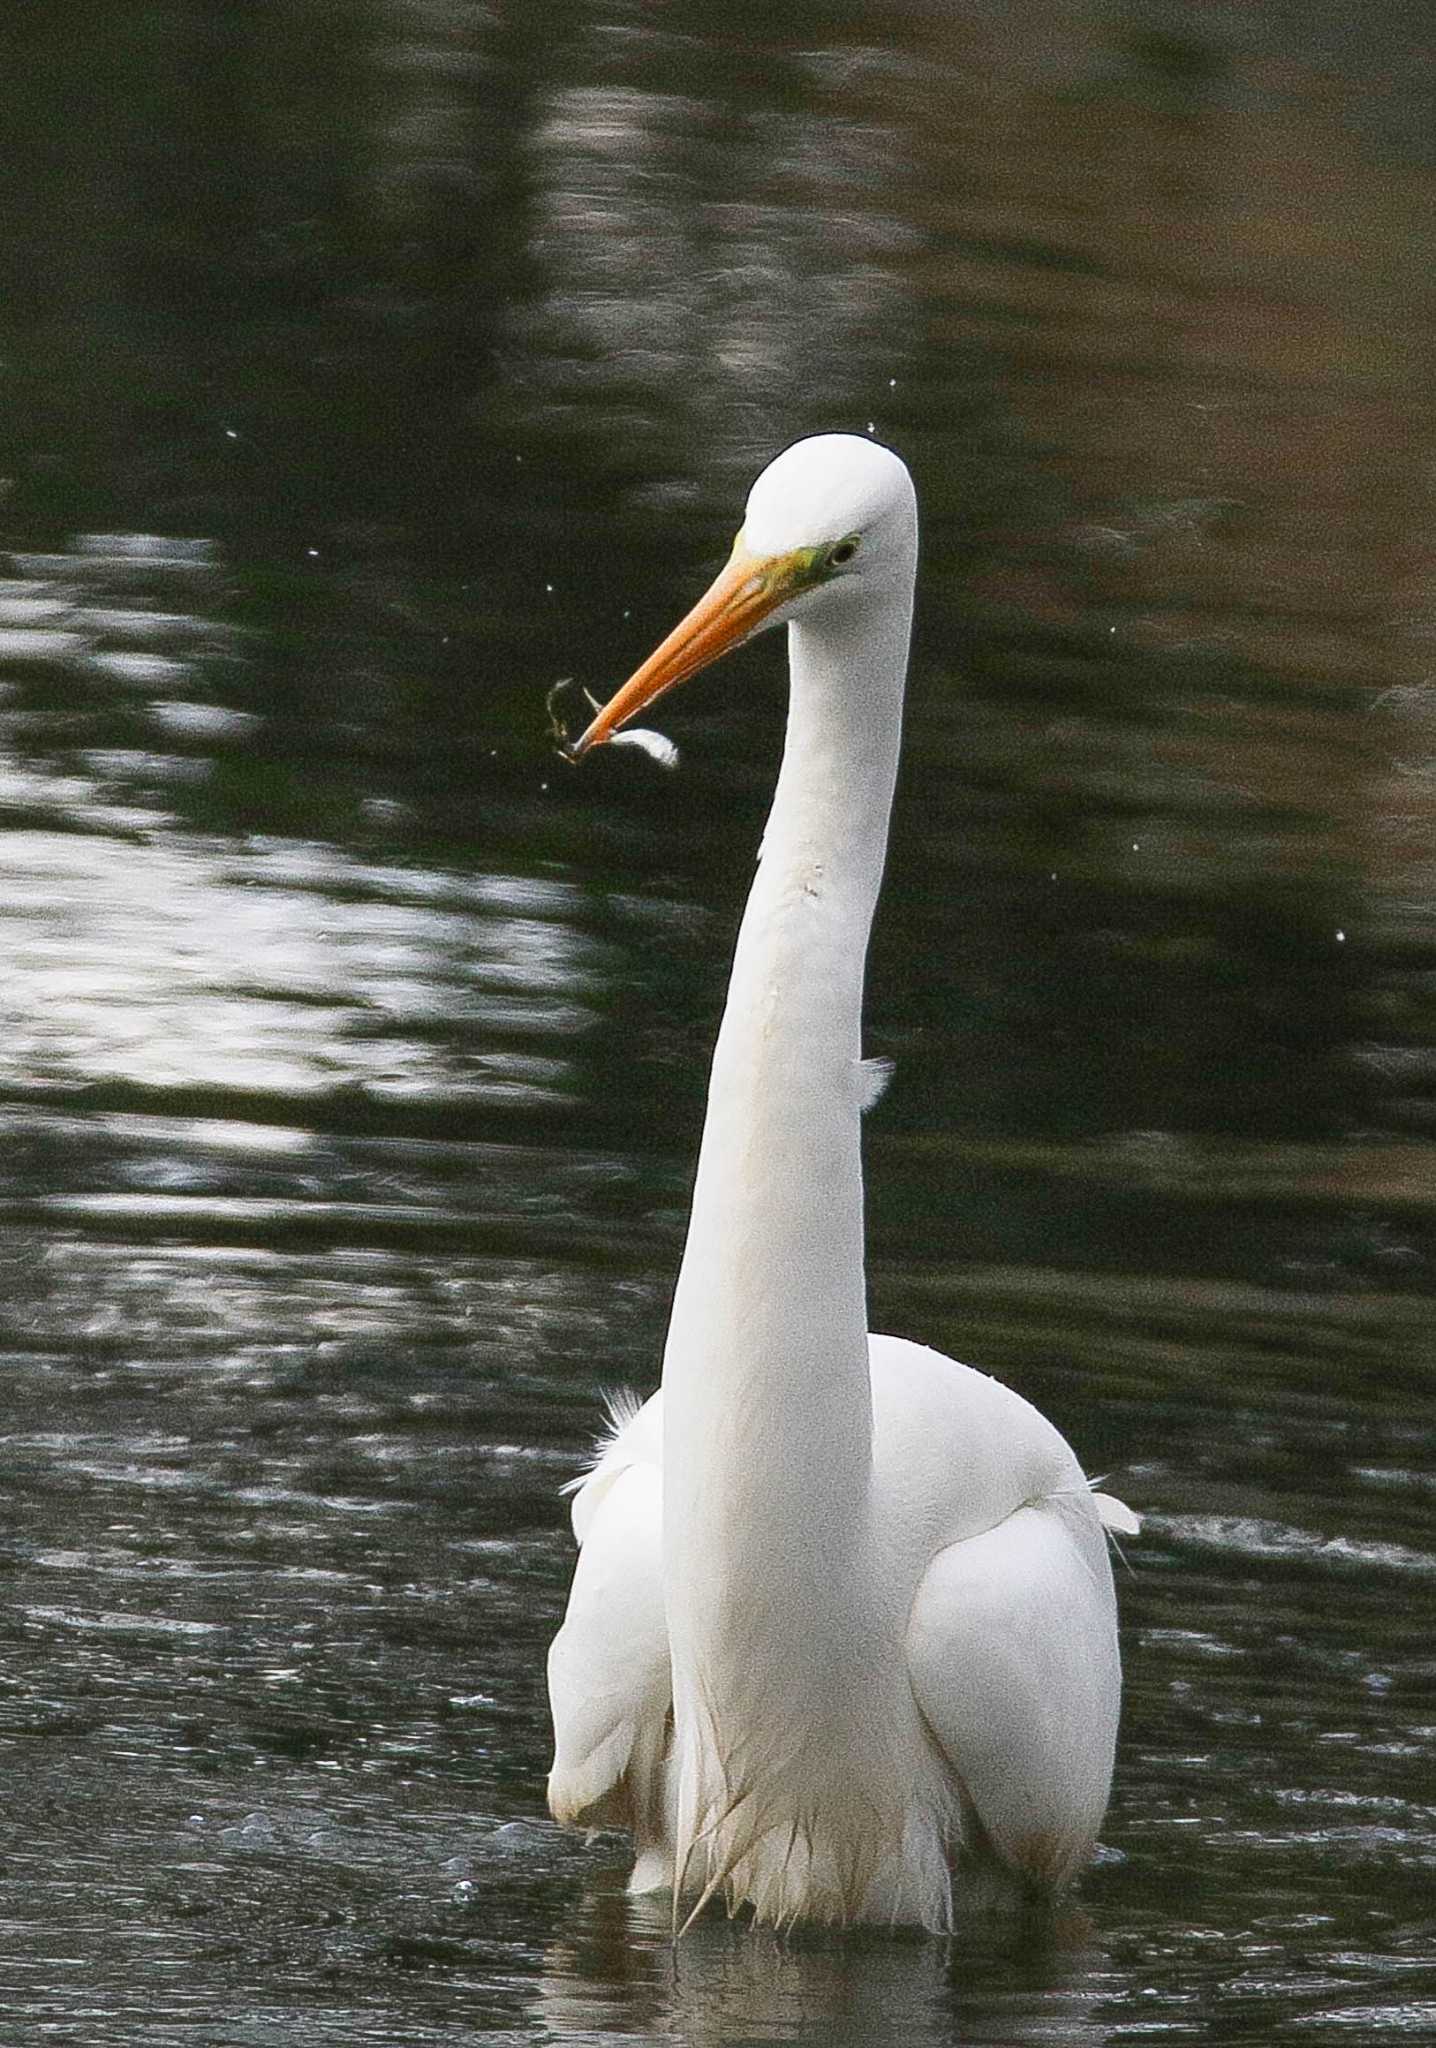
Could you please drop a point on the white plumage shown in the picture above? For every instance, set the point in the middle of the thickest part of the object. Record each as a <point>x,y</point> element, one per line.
<point>841,1642</point>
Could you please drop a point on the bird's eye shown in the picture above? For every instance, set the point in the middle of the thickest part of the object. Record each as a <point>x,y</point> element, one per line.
<point>840,555</point>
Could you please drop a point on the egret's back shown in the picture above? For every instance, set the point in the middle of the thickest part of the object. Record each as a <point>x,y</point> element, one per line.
<point>997,1742</point>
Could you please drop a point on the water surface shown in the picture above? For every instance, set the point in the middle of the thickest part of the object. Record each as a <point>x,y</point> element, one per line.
<point>368,368</point>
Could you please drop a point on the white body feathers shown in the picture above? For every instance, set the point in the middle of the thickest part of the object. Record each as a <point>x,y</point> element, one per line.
<point>842,1628</point>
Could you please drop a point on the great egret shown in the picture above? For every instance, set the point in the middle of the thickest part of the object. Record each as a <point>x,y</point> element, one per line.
<point>841,1642</point>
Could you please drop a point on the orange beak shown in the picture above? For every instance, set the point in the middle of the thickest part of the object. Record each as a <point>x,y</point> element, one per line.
<point>735,604</point>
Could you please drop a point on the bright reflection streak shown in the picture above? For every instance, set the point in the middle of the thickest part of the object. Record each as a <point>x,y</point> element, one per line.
<point>293,970</point>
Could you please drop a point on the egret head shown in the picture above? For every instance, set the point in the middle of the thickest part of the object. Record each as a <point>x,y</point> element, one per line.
<point>838,500</point>
<point>831,520</point>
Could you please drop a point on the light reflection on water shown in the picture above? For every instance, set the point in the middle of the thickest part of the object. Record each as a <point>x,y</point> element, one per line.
<point>277,970</point>
<point>351,1049</point>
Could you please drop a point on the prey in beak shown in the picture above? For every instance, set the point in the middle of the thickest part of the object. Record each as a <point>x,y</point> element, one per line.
<point>654,744</point>
<point>741,598</point>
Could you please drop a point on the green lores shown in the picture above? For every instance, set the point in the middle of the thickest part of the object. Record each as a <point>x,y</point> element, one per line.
<point>782,575</point>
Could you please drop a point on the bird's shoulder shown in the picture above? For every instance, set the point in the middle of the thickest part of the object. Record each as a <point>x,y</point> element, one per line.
<point>633,1437</point>
<point>957,1450</point>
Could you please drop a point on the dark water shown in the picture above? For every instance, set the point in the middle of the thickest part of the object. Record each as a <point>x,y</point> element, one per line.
<point>363,368</point>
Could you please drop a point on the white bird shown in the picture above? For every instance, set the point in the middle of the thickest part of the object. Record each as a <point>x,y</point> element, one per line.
<point>841,1643</point>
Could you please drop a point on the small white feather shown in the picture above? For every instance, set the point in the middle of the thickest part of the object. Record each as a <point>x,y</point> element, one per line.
<point>653,744</point>
<point>1117,1516</point>
<point>873,1078</point>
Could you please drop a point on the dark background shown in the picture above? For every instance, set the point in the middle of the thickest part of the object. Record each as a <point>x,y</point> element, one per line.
<point>366,365</point>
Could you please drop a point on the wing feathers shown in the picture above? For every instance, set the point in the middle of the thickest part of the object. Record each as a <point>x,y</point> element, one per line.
<point>608,1671</point>
<point>1012,1652</point>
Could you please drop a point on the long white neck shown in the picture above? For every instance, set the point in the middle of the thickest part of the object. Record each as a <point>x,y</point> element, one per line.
<point>767,1404</point>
